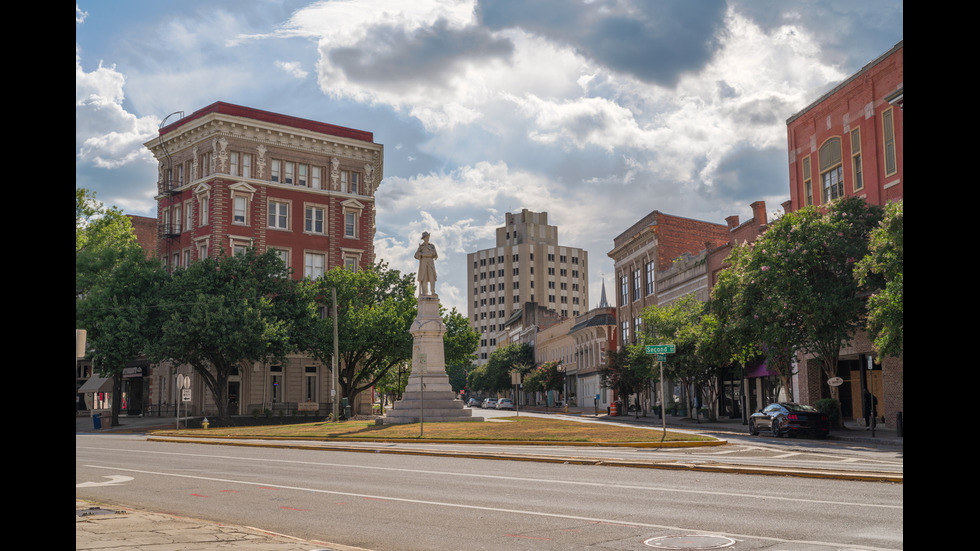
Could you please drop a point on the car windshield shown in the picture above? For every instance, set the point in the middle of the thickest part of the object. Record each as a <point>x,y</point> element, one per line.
<point>800,408</point>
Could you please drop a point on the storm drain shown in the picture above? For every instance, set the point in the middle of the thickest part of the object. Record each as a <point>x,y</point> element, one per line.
<point>690,542</point>
<point>94,511</point>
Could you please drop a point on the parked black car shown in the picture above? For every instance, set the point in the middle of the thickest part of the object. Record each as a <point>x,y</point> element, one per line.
<point>789,418</point>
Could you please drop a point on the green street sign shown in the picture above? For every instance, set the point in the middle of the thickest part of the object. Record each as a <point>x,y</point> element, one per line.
<point>660,349</point>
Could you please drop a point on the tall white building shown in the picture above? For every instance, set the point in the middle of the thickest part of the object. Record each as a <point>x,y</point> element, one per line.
<point>526,265</point>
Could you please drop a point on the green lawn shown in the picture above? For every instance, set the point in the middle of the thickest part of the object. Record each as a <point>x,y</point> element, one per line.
<point>509,429</point>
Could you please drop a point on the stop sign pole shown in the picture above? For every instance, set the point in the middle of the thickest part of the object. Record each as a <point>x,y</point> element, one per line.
<point>661,351</point>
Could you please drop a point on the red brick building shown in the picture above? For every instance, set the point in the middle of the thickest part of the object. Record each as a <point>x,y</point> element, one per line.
<point>233,177</point>
<point>850,142</point>
<point>647,248</point>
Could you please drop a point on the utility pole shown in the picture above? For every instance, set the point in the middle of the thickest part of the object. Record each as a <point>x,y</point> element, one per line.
<point>335,376</point>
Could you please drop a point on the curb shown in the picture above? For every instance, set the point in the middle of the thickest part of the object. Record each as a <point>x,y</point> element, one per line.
<point>701,467</point>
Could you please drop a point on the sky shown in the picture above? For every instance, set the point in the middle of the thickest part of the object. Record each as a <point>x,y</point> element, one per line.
<point>597,112</point>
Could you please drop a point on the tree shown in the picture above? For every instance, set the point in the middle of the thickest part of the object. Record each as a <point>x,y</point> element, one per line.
<point>700,356</point>
<point>375,311</point>
<point>494,376</point>
<point>798,284</point>
<point>115,289</point>
<point>226,312</point>
<point>118,311</point>
<point>881,274</point>
<point>626,371</point>
<point>460,344</point>
<point>735,301</point>
<point>546,377</point>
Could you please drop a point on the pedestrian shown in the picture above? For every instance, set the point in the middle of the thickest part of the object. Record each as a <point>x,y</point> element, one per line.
<point>870,408</point>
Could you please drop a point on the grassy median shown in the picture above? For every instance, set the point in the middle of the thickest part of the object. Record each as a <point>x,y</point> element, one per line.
<point>506,429</point>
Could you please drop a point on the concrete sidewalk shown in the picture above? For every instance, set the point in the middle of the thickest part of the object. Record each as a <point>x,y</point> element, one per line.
<point>105,528</point>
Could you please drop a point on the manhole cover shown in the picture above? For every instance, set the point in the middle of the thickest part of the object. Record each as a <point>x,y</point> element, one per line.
<point>93,511</point>
<point>690,542</point>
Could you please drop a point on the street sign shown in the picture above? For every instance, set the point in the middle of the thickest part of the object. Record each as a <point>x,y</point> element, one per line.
<point>660,349</point>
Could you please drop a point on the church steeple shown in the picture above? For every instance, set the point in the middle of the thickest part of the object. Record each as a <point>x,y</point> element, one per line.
<point>602,298</point>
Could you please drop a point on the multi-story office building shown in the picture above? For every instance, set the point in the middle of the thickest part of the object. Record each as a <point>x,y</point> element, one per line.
<point>233,177</point>
<point>526,265</point>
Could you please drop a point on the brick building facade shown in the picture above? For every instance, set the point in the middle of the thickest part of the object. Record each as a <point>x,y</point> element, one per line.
<point>646,249</point>
<point>850,142</point>
<point>232,178</point>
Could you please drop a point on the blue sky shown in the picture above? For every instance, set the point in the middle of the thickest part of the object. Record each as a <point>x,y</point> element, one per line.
<point>486,106</point>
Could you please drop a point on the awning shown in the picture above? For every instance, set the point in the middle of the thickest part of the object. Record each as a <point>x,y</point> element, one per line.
<point>96,384</point>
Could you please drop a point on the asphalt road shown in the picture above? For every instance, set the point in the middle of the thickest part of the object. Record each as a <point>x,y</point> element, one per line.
<point>384,501</point>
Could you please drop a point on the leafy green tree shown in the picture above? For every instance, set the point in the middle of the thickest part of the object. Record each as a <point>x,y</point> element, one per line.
<point>685,323</point>
<point>375,311</point>
<point>118,311</point>
<point>226,312</point>
<point>798,279</point>
<point>115,289</point>
<point>738,326</point>
<point>881,273</point>
<point>460,344</point>
<point>547,377</point>
<point>626,371</point>
<point>494,376</point>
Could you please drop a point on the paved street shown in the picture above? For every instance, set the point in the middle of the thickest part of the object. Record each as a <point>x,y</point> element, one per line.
<point>376,499</point>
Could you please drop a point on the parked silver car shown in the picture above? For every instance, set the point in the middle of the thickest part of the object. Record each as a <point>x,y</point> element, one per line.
<point>490,403</point>
<point>505,403</point>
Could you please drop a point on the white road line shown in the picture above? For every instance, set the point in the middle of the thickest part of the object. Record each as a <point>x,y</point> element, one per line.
<point>483,508</point>
<point>525,479</point>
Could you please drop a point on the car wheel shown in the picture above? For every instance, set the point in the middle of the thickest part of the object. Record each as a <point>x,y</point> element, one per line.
<point>752,430</point>
<point>775,428</point>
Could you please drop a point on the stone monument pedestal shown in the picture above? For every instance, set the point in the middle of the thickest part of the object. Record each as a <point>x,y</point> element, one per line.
<point>428,397</point>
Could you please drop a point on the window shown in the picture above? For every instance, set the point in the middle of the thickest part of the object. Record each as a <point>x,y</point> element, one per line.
<point>807,182</point>
<point>623,289</point>
<point>274,169</point>
<point>302,175</point>
<point>233,163</point>
<point>202,210</point>
<point>202,250</point>
<point>350,263</point>
<point>240,209</point>
<point>309,384</point>
<point>650,278</point>
<point>350,181</point>
<point>278,215</point>
<point>352,217</point>
<point>831,170</point>
<point>350,224</point>
<point>275,384</point>
<point>315,175</point>
<point>315,219</point>
<point>313,265</point>
<point>288,170</point>
<point>636,284</point>
<point>856,159</point>
<point>888,143</point>
<point>188,221</point>
<point>246,165</point>
<point>176,219</point>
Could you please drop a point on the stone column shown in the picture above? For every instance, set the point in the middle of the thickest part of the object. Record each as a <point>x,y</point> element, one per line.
<point>428,397</point>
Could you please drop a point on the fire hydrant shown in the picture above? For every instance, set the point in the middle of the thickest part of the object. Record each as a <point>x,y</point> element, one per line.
<point>204,423</point>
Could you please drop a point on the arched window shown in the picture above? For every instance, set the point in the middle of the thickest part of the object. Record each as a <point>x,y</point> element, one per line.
<point>831,170</point>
